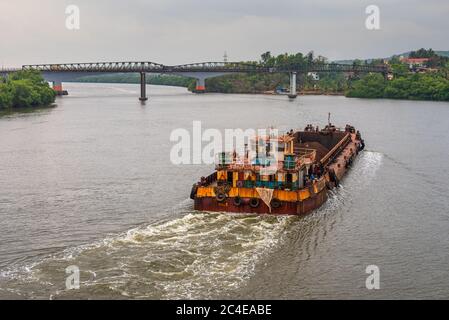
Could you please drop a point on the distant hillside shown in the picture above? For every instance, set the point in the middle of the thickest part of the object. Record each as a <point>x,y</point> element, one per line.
<point>158,79</point>
<point>440,53</point>
<point>443,53</point>
<point>405,54</point>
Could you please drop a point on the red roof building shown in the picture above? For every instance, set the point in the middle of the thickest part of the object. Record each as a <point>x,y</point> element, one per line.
<point>414,61</point>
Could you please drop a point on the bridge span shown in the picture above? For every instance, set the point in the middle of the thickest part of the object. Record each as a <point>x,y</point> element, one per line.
<point>58,73</point>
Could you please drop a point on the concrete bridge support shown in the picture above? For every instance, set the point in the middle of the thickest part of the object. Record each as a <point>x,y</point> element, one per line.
<point>56,78</point>
<point>292,94</point>
<point>200,85</point>
<point>200,78</point>
<point>143,87</point>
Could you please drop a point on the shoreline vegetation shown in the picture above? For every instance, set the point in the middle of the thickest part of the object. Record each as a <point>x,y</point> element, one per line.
<point>134,78</point>
<point>24,91</point>
<point>23,111</point>
<point>430,82</point>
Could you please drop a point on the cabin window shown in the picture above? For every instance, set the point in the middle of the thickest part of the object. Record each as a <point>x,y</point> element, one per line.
<point>281,147</point>
<point>230,177</point>
<point>280,177</point>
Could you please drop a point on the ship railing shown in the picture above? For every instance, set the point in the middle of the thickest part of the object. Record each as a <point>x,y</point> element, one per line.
<point>278,185</point>
<point>305,151</point>
<point>238,163</point>
<point>305,156</point>
<point>210,179</point>
<point>237,166</point>
<point>336,149</point>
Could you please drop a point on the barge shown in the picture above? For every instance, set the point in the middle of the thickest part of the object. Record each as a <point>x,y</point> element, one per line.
<point>308,164</point>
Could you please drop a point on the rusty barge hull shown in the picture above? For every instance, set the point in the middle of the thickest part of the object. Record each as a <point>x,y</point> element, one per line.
<point>239,199</point>
<point>285,208</point>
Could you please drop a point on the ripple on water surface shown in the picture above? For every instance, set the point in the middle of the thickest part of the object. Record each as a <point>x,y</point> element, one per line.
<point>196,255</point>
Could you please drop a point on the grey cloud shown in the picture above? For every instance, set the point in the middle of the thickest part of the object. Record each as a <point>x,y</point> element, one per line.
<point>181,31</point>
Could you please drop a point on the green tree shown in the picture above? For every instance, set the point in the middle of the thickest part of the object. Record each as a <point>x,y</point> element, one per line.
<point>25,89</point>
<point>266,57</point>
<point>370,86</point>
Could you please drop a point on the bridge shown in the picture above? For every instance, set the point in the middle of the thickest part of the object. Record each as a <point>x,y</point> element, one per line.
<point>58,73</point>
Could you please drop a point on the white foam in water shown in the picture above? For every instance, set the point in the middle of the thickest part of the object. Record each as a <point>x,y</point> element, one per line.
<point>368,164</point>
<point>199,255</point>
<point>360,175</point>
<point>210,239</point>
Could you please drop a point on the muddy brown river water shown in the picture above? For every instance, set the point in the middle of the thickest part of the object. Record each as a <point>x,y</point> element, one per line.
<point>90,184</point>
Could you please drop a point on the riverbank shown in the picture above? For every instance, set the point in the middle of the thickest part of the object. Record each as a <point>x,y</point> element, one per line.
<point>14,111</point>
<point>304,93</point>
<point>24,90</point>
<point>161,79</point>
<point>429,82</point>
<point>412,86</point>
<point>427,87</point>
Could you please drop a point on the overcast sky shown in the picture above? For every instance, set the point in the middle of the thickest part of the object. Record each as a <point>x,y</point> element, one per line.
<point>183,31</point>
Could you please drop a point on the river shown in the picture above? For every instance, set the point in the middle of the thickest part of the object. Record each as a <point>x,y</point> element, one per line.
<point>90,184</point>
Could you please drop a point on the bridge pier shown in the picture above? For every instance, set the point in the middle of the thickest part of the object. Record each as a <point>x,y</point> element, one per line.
<point>292,94</point>
<point>200,71</point>
<point>57,87</point>
<point>200,85</point>
<point>143,87</point>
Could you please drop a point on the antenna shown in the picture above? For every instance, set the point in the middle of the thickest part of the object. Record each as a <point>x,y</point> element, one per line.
<point>329,119</point>
<point>225,57</point>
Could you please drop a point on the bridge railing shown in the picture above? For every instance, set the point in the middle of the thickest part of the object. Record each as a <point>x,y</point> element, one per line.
<point>332,67</point>
<point>99,67</point>
<point>219,67</point>
<point>152,67</point>
<point>247,67</point>
<point>7,70</point>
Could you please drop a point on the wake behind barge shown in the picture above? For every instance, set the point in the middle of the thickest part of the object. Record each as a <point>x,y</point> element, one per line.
<point>308,164</point>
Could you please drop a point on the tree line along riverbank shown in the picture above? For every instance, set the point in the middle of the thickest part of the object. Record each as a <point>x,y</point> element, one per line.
<point>25,89</point>
<point>407,82</point>
<point>429,81</point>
